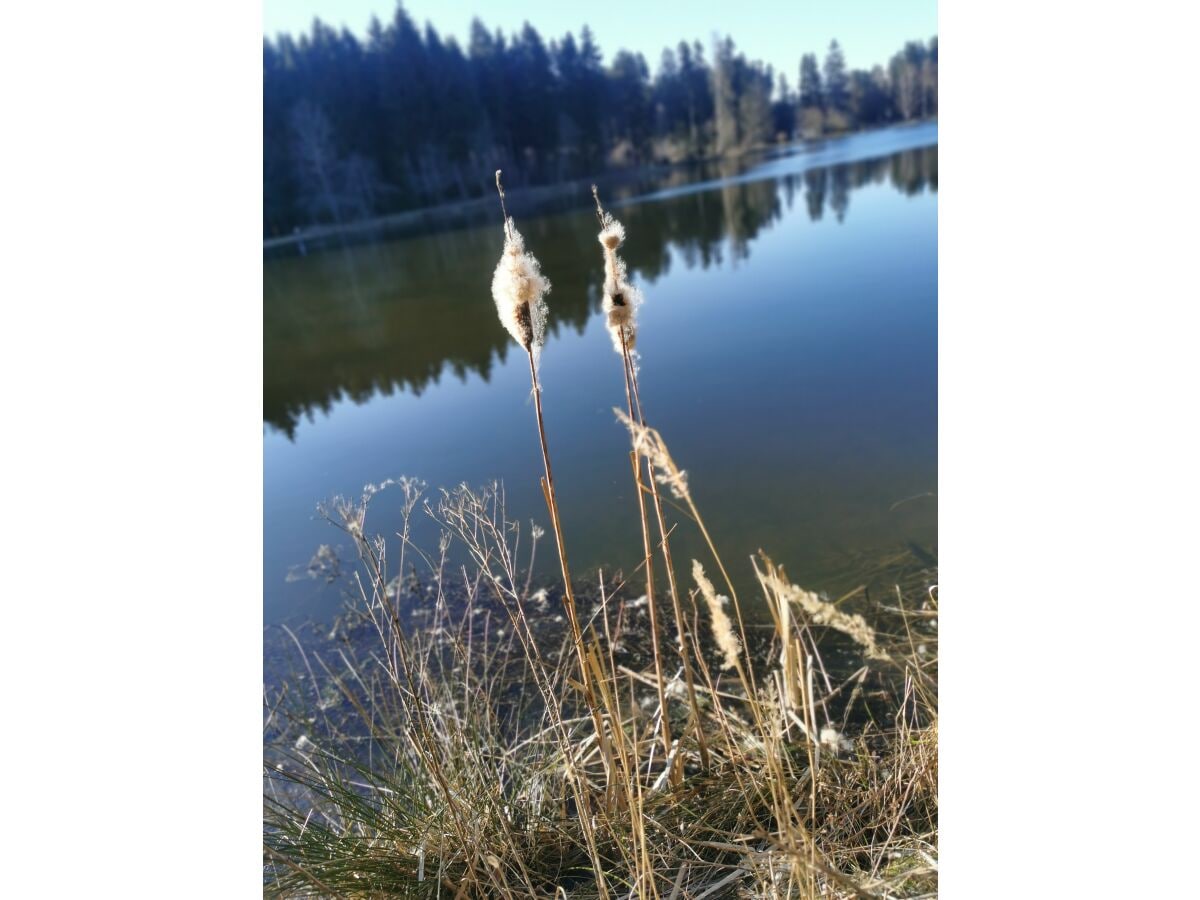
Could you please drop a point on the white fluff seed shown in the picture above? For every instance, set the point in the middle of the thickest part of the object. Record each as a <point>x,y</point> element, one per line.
<point>612,233</point>
<point>621,299</point>
<point>519,288</point>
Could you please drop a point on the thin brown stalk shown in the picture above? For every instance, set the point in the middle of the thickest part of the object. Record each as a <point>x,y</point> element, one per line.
<point>568,591</point>
<point>636,462</point>
<point>665,544</point>
<point>633,401</point>
<point>523,329</point>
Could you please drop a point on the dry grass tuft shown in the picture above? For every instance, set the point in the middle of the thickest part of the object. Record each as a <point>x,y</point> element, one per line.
<point>433,746</point>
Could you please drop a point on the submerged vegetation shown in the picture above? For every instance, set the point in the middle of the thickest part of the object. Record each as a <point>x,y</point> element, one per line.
<point>460,734</point>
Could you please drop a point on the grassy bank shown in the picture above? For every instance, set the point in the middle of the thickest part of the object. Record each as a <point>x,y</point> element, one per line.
<point>433,744</point>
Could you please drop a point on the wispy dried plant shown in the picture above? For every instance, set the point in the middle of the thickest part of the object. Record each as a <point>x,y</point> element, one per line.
<point>819,611</point>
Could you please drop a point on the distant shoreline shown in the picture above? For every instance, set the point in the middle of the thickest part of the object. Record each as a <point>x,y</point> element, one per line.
<point>540,198</point>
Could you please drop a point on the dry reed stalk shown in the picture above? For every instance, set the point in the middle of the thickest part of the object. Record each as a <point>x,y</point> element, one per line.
<point>651,445</point>
<point>621,301</point>
<point>668,564</point>
<point>518,288</point>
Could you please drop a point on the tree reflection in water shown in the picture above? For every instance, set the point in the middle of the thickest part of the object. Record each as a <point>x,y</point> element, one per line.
<point>377,317</point>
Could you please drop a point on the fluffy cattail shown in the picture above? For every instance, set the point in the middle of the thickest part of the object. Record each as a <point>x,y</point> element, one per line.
<point>621,299</point>
<point>518,287</point>
<point>612,232</point>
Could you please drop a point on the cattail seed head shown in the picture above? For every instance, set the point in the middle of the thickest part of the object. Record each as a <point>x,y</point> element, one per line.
<point>621,299</point>
<point>518,287</point>
<point>620,312</point>
<point>612,232</point>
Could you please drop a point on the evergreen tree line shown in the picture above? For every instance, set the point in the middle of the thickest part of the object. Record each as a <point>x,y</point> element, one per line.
<point>404,119</point>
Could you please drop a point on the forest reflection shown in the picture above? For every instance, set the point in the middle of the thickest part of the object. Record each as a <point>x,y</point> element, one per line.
<point>379,317</point>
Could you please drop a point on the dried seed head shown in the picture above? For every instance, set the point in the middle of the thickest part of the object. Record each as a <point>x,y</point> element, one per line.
<point>620,313</point>
<point>649,443</point>
<point>518,287</point>
<point>621,299</point>
<point>822,612</point>
<point>833,739</point>
<point>612,232</point>
<point>722,627</point>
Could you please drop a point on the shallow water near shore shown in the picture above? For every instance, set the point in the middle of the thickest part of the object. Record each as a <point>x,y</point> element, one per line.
<point>788,344</point>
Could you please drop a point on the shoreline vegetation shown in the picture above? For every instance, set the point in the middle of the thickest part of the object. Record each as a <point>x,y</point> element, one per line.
<point>460,734</point>
<point>351,807</point>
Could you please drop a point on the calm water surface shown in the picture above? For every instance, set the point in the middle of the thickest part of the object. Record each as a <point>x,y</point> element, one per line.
<point>789,358</point>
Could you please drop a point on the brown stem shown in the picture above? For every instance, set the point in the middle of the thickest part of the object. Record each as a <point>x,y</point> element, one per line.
<point>568,591</point>
<point>503,211</point>
<point>681,627</point>
<point>636,461</point>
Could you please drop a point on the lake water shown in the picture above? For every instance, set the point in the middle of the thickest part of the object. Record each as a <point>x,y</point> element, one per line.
<point>789,358</point>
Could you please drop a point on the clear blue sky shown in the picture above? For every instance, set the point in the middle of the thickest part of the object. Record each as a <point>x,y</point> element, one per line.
<point>870,31</point>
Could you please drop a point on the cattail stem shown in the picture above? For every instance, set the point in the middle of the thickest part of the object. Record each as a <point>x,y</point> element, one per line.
<point>680,621</point>
<point>551,499</point>
<point>620,303</point>
<point>518,288</point>
<point>636,461</point>
<point>621,300</point>
<point>503,210</point>
<point>568,591</point>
